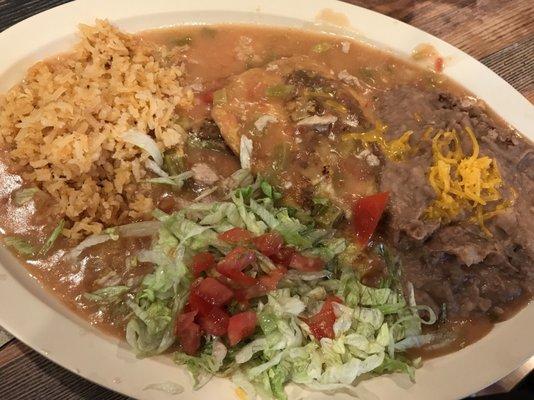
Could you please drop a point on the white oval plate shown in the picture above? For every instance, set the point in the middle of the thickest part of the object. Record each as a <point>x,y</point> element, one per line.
<point>39,320</point>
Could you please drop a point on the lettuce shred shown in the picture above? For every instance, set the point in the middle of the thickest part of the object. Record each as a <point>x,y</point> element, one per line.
<point>373,326</point>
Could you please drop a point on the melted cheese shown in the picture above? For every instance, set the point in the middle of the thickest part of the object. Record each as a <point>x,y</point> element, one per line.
<point>396,149</point>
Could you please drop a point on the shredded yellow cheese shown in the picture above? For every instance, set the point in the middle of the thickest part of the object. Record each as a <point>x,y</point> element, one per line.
<point>426,133</point>
<point>396,149</point>
<point>463,183</point>
<point>399,148</point>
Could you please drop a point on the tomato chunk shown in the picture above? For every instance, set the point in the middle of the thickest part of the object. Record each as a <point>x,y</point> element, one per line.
<point>235,262</point>
<point>269,244</point>
<point>241,326</point>
<point>264,285</point>
<point>198,304</point>
<point>244,295</point>
<point>238,259</point>
<point>202,262</point>
<point>438,64</point>
<point>283,257</point>
<point>188,332</point>
<point>304,263</point>
<point>206,96</point>
<point>229,283</point>
<point>212,319</point>
<point>215,322</point>
<point>367,212</point>
<point>322,324</point>
<point>270,282</point>
<point>214,292</point>
<point>236,235</point>
<point>241,278</point>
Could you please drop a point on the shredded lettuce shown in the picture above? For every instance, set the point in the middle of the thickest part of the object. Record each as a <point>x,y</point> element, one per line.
<point>240,178</point>
<point>203,366</point>
<point>269,191</point>
<point>52,238</point>
<point>166,387</point>
<point>328,249</point>
<point>21,246</point>
<point>107,295</point>
<point>22,196</point>
<point>161,295</point>
<point>135,229</point>
<point>155,168</point>
<point>176,181</point>
<point>289,353</point>
<point>373,326</point>
<point>193,229</point>
<point>284,350</point>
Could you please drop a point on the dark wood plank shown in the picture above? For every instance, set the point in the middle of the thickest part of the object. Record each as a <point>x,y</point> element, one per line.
<point>13,11</point>
<point>515,64</point>
<point>12,351</point>
<point>498,33</point>
<point>479,27</point>
<point>32,376</point>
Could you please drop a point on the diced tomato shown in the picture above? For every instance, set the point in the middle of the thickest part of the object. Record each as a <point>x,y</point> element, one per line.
<point>241,326</point>
<point>212,319</point>
<point>438,64</point>
<point>235,262</point>
<point>304,263</point>
<point>264,285</point>
<point>238,259</point>
<point>283,257</point>
<point>227,282</point>
<point>206,97</point>
<point>214,292</point>
<point>243,296</point>
<point>270,281</point>
<point>188,332</point>
<point>236,235</point>
<point>198,304</point>
<point>322,324</point>
<point>241,278</point>
<point>215,322</point>
<point>237,281</point>
<point>367,212</point>
<point>202,262</point>
<point>186,318</point>
<point>269,244</point>
<point>250,292</point>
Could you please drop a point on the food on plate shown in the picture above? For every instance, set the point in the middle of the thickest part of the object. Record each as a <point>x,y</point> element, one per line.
<point>270,205</point>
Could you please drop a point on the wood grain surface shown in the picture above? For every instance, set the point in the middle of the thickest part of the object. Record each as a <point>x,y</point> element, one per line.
<point>500,33</point>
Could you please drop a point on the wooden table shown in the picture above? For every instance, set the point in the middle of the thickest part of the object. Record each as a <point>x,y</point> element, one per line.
<point>500,33</point>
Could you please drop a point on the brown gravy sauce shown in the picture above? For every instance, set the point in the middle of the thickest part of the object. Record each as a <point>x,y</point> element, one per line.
<point>465,331</point>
